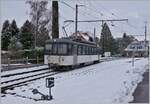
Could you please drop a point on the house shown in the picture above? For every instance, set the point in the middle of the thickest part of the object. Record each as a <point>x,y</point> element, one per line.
<point>123,42</point>
<point>82,36</point>
<point>137,48</point>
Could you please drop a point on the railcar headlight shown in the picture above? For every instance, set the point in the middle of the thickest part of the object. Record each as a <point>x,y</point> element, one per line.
<point>48,57</point>
<point>62,59</point>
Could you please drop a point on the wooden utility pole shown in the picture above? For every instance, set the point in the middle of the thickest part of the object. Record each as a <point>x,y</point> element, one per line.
<point>55,20</point>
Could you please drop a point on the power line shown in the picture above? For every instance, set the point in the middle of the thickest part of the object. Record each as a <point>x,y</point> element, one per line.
<point>83,12</point>
<point>106,9</point>
<point>120,29</point>
<point>67,4</point>
<point>62,16</point>
<point>91,10</point>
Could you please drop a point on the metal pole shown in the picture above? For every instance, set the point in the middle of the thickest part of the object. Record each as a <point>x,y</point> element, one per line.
<point>76,20</point>
<point>26,60</point>
<point>50,93</point>
<point>145,39</point>
<point>95,36</point>
<point>103,49</point>
<point>37,59</point>
<point>145,31</point>
<point>8,62</point>
<point>133,57</point>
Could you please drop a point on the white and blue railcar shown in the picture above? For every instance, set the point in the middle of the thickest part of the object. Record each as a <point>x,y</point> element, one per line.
<point>64,54</point>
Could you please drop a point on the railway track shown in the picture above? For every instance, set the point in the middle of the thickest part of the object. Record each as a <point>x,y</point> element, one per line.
<point>11,80</point>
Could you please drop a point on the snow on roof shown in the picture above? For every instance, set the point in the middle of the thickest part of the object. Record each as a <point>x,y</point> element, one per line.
<point>81,35</point>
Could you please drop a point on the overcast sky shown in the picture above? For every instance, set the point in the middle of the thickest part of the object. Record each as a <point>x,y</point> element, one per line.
<point>136,11</point>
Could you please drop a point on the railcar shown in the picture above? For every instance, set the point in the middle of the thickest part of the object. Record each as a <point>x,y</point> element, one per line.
<point>64,54</point>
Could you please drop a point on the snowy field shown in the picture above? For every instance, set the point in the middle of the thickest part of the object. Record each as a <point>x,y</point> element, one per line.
<point>106,82</point>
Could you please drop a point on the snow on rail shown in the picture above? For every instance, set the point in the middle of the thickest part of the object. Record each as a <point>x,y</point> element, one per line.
<point>23,70</point>
<point>6,79</point>
<point>26,80</point>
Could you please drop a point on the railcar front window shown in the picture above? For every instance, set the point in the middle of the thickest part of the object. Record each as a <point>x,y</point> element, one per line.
<point>55,48</point>
<point>62,49</point>
<point>48,47</point>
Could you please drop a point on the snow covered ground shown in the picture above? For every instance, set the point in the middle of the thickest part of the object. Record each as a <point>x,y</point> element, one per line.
<point>106,82</point>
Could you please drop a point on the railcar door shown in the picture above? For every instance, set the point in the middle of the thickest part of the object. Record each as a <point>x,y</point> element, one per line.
<point>74,55</point>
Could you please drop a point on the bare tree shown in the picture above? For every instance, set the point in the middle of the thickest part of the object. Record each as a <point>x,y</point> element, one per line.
<point>41,20</point>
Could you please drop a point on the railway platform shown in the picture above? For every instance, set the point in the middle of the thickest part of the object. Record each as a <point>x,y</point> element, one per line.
<point>141,93</point>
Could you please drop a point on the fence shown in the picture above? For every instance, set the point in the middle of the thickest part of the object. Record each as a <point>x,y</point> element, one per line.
<point>26,60</point>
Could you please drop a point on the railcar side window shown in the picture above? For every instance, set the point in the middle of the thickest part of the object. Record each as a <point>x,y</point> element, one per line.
<point>86,50</point>
<point>70,49</point>
<point>83,50</point>
<point>95,51</point>
<point>92,50</point>
<point>89,50</point>
<point>79,50</point>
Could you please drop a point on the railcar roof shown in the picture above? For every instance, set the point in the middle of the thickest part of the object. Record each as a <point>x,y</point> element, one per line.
<point>69,41</point>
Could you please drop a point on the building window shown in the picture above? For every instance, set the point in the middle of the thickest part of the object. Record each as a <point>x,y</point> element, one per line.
<point>139,47</point>
<point>132,47</point>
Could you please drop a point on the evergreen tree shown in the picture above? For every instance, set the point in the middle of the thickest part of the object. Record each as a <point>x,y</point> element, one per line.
<point>6,35</point>
<point>14,29</point>
<point>106,40</point>
<point>26,36</point>
<point>14,45</point>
